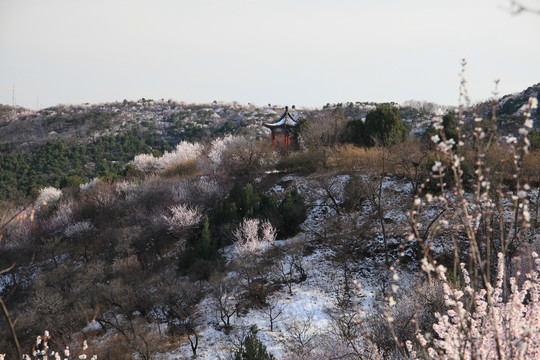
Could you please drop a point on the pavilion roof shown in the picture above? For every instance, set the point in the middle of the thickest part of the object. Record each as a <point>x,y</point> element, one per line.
<point>286,120</point>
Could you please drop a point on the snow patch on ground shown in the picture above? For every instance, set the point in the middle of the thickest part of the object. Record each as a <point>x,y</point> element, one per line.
<point>312,299</point>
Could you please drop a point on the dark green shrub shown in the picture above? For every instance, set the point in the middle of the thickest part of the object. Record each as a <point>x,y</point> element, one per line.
<point>384,126</point>
<point>206,246</point>
<point>293,213</point>
<point>302,125</point>
<point>268,209</point>
<point>253,348</point>
<point>247,205</point>
<point>354,132</point>
<point>450,127</point>
<point>534,138</point>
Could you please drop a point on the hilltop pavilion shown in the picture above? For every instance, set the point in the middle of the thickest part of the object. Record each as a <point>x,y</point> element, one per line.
<point>282,129</point>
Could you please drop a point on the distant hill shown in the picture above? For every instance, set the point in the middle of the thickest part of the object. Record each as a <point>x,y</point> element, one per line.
<point>510,109</point>
<point>67,144</point>
<point>169,120</point>
<point>510,104</point>
<point>515,104</point>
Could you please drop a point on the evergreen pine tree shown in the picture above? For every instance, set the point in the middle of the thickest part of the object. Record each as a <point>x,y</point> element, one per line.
<point>205,246</point>
<point>253,348</point>
<point>450,127</point>
<point>268,208</point>
<point>248,204</point>
<point>384,125</point>
<point>293,212</point>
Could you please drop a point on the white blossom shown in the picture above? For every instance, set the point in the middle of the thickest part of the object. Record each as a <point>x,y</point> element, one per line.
<point>89,185</point>
<point>457,160</point>
<point>145,163</point>
<point>533,102</point>
<point>182,217</point>
<point>48,195</point>
<point>125,187</point>
<point>446,146</point>
<point>526,215</point>
<point>183,151</point>
<point>219,146</point>
<point>252,236</point>
<point>78,228</point>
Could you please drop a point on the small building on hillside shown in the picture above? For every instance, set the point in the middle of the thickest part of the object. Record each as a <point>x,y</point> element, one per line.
<point>282,129</point>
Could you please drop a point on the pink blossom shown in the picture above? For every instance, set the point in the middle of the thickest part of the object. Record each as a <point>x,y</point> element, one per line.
<point>511,327</point>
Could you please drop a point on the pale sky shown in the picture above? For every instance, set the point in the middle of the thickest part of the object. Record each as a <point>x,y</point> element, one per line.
<point>302,52</point>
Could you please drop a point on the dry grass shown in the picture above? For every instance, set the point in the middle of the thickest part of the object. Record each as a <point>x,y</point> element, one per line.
<point>186,169</point>
<point>350,157</point>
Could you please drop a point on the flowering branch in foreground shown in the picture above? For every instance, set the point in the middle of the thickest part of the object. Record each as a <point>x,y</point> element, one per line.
<point>489,317</point>
<point>505,329</point>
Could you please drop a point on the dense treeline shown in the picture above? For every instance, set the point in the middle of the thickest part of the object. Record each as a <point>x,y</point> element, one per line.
<point>61,164</point>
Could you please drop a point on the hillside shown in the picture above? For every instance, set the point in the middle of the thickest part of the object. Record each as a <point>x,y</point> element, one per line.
<point>332,250</point>
<point>66,145</point>
<point>176,121</point>
<point>172,121</point>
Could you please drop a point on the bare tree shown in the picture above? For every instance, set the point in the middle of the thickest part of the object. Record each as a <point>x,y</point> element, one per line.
<point>376,195</point>
<point>331,191</point>
<point>346,327</point>
<point>325,129</point>
<point>274,311</point>
<point>348,241</point>
<point>192,333</point>
<point>300,337</point>
<point>411,158</point>
<point>237,336</point>
<point>5,221</point>
<point>227,305</point>
<point>284,270</point>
